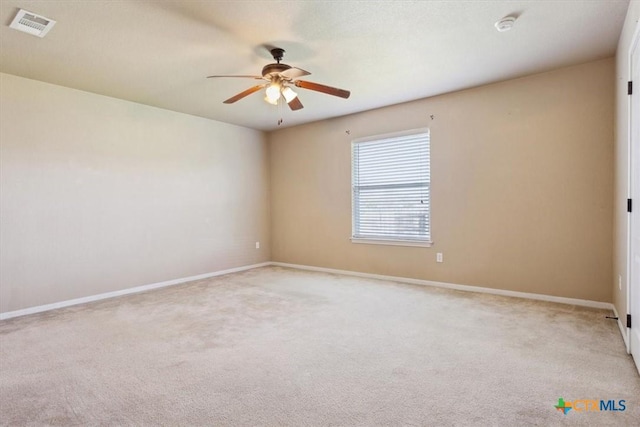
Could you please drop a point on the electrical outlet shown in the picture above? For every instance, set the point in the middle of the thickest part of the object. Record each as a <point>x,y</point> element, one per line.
<point>257,245</point>
<point>439,257</point>
<point>619,282</point>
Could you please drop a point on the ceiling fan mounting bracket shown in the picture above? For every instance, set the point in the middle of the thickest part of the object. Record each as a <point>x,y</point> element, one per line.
<point>277,54</point>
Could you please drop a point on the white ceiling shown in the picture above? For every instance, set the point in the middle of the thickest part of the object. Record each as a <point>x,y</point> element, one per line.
<point>386,52</point>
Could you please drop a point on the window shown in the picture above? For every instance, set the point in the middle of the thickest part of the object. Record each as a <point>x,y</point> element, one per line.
<point>390,186</point>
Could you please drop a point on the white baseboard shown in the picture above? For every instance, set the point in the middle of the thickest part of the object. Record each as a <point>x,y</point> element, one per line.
<point>623,329</point>
<point>540,297</point>
<point>467,288</point>
<point>137,289</point>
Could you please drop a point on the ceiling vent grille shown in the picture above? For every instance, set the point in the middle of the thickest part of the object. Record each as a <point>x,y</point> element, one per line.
<point>32,23</point>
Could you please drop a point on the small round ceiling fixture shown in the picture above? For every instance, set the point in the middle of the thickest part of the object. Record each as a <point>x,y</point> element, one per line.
<point>505,24</point>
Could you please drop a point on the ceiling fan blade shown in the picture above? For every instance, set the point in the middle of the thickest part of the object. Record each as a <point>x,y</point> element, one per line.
<point>243,94</point>
<point>295,104</point>
<point>322,88</point>
<point>294,73</point>
<point>244,77</point>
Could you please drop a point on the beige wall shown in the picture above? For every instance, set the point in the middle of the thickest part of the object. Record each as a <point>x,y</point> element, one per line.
<point>99,194</point>
<point>622,158</point>
<point>522,183</point>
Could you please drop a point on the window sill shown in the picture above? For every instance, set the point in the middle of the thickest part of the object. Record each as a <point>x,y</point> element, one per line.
<point>422,244</point>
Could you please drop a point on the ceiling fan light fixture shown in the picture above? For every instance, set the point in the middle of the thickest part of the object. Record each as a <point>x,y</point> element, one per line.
<point>273,93</point>
<point>289,94</point>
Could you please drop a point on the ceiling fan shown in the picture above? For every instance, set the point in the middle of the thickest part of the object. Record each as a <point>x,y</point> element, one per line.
<point>280,78</point>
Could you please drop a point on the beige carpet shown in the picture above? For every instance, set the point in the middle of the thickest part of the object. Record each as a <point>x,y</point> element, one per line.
<point>275,346</point>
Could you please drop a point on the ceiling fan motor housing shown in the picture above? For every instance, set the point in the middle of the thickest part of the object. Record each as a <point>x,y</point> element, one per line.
<point>270,70</point>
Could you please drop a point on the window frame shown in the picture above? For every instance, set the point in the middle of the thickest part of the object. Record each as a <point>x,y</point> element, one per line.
<point>427,242</point>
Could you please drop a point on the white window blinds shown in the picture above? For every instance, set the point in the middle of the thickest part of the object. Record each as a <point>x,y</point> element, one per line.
<point>391,179</point>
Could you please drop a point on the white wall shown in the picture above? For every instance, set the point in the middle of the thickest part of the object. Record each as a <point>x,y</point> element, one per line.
<point>99,194</point>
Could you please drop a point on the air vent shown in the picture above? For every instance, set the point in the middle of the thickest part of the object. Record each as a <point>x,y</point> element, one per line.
<point>31,23</point>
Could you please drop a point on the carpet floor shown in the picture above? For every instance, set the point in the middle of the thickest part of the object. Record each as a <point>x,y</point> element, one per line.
<point>283,347</point>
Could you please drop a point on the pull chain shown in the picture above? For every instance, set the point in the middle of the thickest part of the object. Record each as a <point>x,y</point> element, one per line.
<point>281,120</point>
